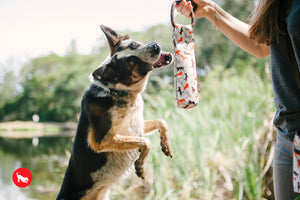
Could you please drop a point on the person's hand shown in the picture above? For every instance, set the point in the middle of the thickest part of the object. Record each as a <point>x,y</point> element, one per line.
<point>185,8</point>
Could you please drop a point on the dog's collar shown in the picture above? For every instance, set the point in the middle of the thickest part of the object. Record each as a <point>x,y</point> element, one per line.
<point>103,91</point>
<point>114,92</point>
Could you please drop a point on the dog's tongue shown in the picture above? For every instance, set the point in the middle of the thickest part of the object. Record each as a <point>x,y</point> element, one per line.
<point>165,59</point>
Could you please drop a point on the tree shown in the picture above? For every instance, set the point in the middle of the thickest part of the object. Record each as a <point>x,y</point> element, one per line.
<point>217,49</point>
<point>52,88</point>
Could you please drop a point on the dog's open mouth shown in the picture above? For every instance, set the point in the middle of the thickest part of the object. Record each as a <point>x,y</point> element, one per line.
<point>165,59</point>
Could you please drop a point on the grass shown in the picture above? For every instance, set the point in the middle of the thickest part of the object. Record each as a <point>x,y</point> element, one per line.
<point>215,153</point>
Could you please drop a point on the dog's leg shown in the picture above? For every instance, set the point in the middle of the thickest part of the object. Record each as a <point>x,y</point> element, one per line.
<point>121,143</point>
<point>165,141</point>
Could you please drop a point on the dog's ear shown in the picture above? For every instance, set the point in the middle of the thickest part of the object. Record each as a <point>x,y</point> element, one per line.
<point>113,38</point>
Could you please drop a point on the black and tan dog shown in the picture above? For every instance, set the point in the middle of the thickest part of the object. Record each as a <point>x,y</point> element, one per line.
<point>109,138</point>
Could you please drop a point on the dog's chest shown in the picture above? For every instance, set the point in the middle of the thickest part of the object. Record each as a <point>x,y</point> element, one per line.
<point>128,119</point>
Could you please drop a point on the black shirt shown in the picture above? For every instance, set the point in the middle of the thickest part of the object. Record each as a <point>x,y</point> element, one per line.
<point>285,67</point>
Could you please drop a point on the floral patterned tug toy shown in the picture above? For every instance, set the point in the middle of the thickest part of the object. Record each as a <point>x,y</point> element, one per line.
<point>296,163</point>
<point>186,86</point>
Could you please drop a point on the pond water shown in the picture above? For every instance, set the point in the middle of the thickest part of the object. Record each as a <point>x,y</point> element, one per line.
<point>45,157</point>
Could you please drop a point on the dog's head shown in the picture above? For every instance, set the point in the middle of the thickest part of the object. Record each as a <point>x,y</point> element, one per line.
<point>129,63</point>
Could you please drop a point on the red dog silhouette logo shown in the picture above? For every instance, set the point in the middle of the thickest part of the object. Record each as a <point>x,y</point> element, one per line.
<point>22,177</point>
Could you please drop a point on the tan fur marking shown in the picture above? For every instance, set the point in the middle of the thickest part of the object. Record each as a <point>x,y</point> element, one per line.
<point>135,77</point>
<point>122,143</point>
<point>91,140</point>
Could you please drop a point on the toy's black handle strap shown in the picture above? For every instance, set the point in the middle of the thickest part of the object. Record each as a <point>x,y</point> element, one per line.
<point>195,6</point>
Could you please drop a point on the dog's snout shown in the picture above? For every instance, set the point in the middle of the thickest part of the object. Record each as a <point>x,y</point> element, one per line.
<point>154,48</point>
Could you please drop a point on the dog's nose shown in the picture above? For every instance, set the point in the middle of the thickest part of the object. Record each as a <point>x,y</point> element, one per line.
<point>154,48</point>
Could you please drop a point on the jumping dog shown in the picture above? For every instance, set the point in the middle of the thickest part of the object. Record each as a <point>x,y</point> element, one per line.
<point>111,129</point>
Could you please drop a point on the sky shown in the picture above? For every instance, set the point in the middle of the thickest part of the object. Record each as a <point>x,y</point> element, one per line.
<point>30,28</point>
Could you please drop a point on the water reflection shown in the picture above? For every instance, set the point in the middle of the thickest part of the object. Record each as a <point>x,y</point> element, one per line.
<point>46,160</point>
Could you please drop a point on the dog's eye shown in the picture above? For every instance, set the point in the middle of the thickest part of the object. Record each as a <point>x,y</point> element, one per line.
<point>134,45</point>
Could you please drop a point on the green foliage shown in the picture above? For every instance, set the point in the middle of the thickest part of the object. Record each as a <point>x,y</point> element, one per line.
<point>51,87</point>
<point>214,48</point>
<point>8,87</point>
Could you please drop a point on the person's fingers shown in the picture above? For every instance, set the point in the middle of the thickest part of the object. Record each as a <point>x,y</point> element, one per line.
<point>185,8</point>
<point>180,5</point>
<point>186,11</point>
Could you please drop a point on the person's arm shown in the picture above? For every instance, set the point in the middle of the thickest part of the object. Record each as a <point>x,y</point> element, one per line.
<point>234,29</point>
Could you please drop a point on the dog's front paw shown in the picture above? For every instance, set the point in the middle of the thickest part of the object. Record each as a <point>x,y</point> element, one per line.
<point>165,141</point>
<point>139,169</point>
<point>166,146</point>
